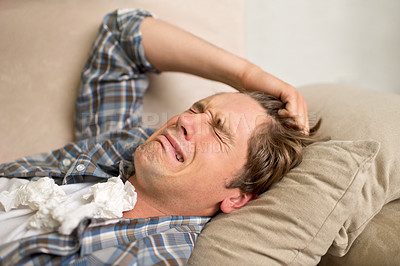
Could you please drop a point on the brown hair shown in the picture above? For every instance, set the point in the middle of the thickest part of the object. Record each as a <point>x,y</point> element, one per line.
<point>274,148</point>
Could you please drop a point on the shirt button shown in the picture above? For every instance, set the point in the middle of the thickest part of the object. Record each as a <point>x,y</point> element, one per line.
<point>80,167</point>
<point>66,162</point>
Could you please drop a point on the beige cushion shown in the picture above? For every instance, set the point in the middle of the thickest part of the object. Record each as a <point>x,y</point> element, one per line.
<point>377,245</point>
<point>44,45</point>
<point>298,218</point>
<point>351,113</point>
<point>348,114</point>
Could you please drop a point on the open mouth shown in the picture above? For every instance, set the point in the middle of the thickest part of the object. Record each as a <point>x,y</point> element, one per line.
<point>179,157</point>
<point>175,146</point>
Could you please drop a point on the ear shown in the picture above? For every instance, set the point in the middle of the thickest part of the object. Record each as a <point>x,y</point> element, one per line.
<point>234,203</point>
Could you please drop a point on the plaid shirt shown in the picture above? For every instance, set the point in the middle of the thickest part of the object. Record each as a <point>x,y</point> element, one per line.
<point>108,131</point>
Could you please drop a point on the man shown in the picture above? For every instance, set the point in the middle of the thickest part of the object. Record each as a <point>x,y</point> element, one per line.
<point>186,171</point>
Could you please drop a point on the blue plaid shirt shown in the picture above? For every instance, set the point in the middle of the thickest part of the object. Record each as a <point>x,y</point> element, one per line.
<point>108,131</point>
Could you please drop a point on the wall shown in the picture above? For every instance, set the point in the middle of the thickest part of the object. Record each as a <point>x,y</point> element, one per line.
<point>354,42</point>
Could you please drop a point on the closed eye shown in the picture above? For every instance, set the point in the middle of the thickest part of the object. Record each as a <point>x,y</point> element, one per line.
<point>221,131</point>
<point>216,132</point>
<point>191,111</point>
<point>216,122</point>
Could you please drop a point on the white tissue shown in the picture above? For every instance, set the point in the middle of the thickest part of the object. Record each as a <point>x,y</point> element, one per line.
<point>114,196</point>
<point>104,200</point>
<point>108,200</point>
<point>41,196</point>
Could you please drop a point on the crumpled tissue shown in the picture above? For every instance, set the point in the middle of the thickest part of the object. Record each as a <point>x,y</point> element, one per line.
<point>103,200</point>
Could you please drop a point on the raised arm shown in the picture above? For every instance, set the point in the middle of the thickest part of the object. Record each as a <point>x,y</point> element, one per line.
<point>170,48</point>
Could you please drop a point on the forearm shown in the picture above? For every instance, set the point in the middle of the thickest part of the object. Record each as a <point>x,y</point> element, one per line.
<point>169,48</point>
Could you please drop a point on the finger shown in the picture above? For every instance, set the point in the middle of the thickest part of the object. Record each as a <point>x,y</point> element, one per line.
<point>284,113</point>
<point>300,113</point>
<point>296,108</point>
<point>307,122</point>
<point>306,128</point>
<point>301,120</point>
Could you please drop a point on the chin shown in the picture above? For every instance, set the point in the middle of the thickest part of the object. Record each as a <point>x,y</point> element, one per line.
<point>147,151</point>
<point>147,159</point>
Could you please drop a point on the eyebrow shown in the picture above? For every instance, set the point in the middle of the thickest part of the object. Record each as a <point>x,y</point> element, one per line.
<point>201,107</point>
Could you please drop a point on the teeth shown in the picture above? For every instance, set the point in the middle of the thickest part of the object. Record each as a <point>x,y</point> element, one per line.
<point>179,157</point>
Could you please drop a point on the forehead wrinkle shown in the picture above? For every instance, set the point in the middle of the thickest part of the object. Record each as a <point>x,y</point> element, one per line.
<point>204,105</point>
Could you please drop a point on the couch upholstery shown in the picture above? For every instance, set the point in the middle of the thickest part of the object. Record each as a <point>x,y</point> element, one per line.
<point>351,113</point>
<point>44,45</point>
<point>302,205</point>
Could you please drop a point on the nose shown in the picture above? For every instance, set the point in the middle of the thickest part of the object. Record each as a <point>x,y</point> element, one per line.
<point>191,124</point>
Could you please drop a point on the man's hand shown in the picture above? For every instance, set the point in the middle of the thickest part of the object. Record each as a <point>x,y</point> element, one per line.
<point>254,78</point>
<point>295,107</point>
<point>169,48</point>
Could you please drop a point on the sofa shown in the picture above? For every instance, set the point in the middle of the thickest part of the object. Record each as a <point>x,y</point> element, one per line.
<point>340,206</point>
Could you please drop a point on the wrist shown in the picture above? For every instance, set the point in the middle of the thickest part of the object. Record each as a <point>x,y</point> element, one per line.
<point>248,76</point>
<point>256,79</point>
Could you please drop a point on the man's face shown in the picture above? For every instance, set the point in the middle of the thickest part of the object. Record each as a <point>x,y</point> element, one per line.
<point>186,165</point>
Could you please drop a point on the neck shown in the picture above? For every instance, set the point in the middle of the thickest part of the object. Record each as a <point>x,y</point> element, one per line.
<point>143,208</point>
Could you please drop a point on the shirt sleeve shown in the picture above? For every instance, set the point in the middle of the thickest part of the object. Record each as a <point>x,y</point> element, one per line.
<point>114,77</point>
